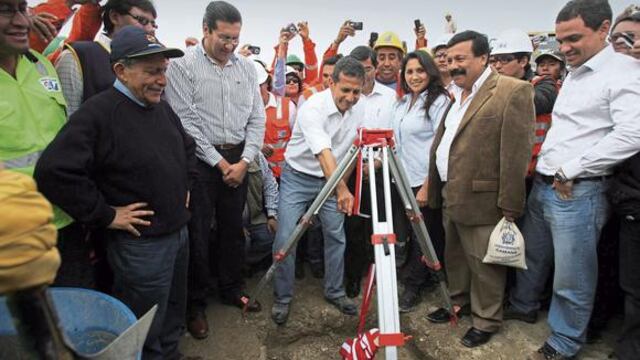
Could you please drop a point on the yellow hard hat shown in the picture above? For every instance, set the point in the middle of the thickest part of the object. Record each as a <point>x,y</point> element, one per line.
<point>389,39</point>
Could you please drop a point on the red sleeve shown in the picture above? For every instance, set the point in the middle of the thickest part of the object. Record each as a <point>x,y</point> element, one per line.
<point>86,23</point>
<point>311,61</point>
<point>57,8</point>
<point>85,26</point>
<point>421,43</point>
<point>327,54</point>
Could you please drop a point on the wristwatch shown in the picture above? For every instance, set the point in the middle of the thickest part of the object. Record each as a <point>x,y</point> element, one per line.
<point>246,160</point>
<point>560,177</point>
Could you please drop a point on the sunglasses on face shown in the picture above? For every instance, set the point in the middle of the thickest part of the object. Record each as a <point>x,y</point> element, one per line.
<point>292,80</point>
<point>143,20</point>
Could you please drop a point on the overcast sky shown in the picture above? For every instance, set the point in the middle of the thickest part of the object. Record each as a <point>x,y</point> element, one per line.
<point>262,19</point>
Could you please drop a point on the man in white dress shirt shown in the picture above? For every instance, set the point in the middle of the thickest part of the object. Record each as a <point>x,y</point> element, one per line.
<point>595,126</point>
<point>324,131</point>
<point>377,101</point>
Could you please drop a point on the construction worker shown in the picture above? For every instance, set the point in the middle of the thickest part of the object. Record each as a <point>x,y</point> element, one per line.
<point>32,107</point>
<point>281,115</point>
<point>512,52</point>
<point>293,84</point>
<point>439,51</point>
<point>325,76</point>
<point>389,53</point>
<point>551,63</point>
<point>84,67</point>
<point>307,69</point>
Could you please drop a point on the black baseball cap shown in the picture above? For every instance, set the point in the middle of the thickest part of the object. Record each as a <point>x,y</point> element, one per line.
<point>132,42</point>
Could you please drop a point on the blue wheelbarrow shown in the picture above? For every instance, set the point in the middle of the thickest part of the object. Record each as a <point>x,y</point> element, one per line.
<point>96,325</point>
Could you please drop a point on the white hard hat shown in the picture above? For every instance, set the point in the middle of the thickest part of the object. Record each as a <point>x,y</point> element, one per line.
<point>291,70</point>
<point>442,41</point>
<point>261,72</point>
<point>512,41</point>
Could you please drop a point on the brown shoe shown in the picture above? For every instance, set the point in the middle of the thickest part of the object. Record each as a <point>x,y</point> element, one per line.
<point>198,326</point>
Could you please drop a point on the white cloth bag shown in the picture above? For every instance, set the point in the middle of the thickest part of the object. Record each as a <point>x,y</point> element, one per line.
<point>506,246</point>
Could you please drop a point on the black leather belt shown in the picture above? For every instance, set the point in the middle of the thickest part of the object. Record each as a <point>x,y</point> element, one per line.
<point>549,179</point>
<point>228,146</point>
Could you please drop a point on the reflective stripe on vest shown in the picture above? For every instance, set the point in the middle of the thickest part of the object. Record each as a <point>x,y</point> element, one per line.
<point>278,133</point>
<point>28,160</point>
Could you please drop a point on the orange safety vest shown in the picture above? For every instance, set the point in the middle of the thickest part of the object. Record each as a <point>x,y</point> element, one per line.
<point>308,92</point>
<point>277,133</point>
<point>543,123</point>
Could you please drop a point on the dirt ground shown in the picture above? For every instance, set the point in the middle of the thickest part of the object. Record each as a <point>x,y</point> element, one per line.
<point>316,330</point>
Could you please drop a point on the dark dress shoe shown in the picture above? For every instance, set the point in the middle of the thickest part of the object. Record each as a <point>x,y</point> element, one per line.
<point>442,315</point>
<point>475,337</point>
<point>510,313</point>
<point>198,326</point>
<point>352,288</point>
<point>240,300</point>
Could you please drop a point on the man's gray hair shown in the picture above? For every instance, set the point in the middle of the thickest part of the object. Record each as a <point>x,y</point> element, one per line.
<point>348,66</point>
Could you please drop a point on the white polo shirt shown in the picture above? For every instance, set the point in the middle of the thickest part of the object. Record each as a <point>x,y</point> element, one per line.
<point>378,107</point>
<point>452,122</point>
<point>319,126</point>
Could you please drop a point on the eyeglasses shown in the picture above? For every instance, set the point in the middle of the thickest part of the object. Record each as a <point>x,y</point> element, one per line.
<point>617,35</point>
<point>504,59</point>
<point>143,20</point>
<point>9,11</point>
<point>293,80</point>
<point>228,39</point>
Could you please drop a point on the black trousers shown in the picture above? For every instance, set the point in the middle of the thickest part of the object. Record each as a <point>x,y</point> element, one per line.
<point>75,249</point>
<point>210,198</point>
<point>629,344</point>
<point>416,273</point>
<point>359,251</point>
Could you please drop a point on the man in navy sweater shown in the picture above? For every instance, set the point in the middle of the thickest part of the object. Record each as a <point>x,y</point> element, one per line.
<point>123,164</point>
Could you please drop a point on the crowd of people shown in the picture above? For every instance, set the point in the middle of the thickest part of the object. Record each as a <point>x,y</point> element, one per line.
<point>168,168</point>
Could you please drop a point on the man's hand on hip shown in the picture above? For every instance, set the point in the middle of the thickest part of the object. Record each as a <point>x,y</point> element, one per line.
<point>130,215</point>
<point>234,175</point>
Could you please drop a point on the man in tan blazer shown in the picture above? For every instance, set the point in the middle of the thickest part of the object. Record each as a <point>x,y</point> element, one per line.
<point>477,175</point>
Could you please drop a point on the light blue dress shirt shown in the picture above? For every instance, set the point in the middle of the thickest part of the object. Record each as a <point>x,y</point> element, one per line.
<point>414,133</point>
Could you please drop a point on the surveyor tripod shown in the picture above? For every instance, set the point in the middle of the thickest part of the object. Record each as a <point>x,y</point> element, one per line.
<point>372,145</point>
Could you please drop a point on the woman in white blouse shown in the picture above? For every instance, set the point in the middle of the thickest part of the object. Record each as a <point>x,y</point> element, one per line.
<point>415,119</point>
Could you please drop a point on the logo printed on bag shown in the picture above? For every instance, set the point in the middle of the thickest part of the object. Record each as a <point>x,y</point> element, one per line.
<point>508,238</point>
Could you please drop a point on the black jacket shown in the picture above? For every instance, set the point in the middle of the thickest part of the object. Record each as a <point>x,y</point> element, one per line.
<point>624,191</point>
<point>114,152</point>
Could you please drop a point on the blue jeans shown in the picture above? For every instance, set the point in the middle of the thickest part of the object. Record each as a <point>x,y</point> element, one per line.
<point>258,244</point>
<point>297,192</point>
<point>149,271</point>
<point>565,232</point>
